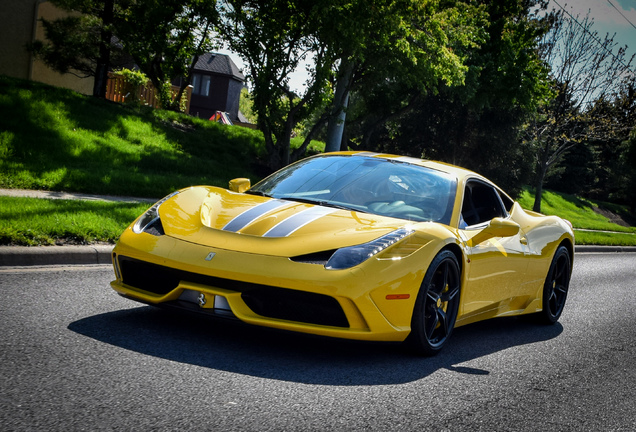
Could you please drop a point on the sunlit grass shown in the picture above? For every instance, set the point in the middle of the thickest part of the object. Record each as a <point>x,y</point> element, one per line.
<point>603,238</point>
<point>580,212</point>
<point>55,139</point>
<point>33,221</point>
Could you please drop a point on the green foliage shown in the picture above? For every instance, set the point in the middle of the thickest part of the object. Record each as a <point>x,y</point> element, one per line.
<point>136,79</point>
<point>416,43</point>
<point>591,225</point>
<point>72,46</point>
<point>602,166</point>
<point>164,38</point>
<point>585,74</point>
<point>56,139</point>
<point>476,125</point>
<point>246,105</point>
<point>604,238</point>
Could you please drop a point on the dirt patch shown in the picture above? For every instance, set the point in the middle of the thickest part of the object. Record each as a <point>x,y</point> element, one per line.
<point>613,217</point>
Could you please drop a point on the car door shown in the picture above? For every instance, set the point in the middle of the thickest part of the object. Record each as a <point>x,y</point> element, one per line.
<point>495,265</point>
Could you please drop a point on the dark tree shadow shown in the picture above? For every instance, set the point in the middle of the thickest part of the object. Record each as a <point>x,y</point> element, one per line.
<point>287,356</point>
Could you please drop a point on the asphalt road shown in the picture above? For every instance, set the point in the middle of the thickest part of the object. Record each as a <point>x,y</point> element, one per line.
<point>75,356</point>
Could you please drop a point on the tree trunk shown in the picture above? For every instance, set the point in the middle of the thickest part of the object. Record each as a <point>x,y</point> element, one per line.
<point>538,194</point>
<point>103,63</point>
<point>339,113</point>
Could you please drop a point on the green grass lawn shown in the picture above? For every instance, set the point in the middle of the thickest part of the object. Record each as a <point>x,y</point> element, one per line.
<point>33,221</point>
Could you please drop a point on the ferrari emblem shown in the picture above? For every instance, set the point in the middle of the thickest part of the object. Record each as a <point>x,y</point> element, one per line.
<point>202,300</point>
<point>210,256</point>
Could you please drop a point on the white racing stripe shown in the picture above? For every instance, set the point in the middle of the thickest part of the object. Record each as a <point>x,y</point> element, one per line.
<point>249,216</point>
<point>297,221</point>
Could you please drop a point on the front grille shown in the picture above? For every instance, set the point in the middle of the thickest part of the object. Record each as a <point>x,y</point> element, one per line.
<point>264,300</point>
<point>296,306</point>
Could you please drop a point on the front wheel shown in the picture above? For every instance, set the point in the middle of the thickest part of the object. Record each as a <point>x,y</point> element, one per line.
<point>436,305</point>
<point>555,289</point>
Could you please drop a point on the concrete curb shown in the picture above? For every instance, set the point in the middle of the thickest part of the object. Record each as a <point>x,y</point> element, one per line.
<point>19,256</point>
<point>615,249</point>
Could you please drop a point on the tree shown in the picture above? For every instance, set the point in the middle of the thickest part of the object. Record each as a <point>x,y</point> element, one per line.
<point>477,124</point>
<point>164,38</point>
<point>601,168</point>
<point>350,42</point>
<point>80,43</point>
<point>584,68</point>
<point>275,38</point>
<point>413,45</point>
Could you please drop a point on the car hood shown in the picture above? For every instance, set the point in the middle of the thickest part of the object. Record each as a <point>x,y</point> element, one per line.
<point>223,219</point>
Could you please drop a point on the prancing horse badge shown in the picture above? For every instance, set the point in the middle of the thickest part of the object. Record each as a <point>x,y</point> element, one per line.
<point>210,256</point>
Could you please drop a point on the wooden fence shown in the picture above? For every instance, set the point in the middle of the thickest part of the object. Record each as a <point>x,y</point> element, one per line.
<point>118,90</point>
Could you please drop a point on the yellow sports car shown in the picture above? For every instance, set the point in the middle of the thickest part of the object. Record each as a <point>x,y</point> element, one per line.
<point>352,245</point>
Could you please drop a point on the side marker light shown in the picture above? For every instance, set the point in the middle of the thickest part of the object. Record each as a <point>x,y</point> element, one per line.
<point>398,296</point>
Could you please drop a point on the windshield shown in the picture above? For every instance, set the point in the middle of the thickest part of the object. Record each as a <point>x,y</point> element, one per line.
<point>367,184</point>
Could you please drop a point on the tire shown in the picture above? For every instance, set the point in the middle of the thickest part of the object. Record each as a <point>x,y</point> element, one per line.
<point>436,306</point>
<point>555,289</point>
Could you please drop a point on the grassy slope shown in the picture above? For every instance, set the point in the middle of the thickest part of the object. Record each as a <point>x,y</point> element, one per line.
<point>55,139</point>
<point>582,214</point>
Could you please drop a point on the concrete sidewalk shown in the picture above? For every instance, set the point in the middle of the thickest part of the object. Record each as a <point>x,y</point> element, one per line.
<point>71,196</point>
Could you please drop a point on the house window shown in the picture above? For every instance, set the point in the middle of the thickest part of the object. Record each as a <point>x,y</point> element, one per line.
<point>201,84</point>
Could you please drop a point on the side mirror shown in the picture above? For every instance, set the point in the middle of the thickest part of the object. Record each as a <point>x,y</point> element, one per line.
<point>240,185</point>
<point>498,227</point>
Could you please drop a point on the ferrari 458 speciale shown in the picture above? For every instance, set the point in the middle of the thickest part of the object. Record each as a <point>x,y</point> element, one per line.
<point>352,245</point>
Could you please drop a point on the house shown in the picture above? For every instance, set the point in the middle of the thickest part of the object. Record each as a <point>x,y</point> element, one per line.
<point>217,83</point>
<point>20,24</point>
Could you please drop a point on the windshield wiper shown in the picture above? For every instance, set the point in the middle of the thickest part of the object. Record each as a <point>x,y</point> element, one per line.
<point>317,202</point>
<point>258,193</point>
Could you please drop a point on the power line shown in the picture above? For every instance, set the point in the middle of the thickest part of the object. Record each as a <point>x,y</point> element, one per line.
<point>618,10</point>
<point>597,40</point>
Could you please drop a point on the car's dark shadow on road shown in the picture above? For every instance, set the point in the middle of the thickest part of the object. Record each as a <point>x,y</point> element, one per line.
<point>300,358</point>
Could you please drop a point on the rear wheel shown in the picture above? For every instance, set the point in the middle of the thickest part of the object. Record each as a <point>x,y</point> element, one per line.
<point>555,289</point>
<point>436,305</point>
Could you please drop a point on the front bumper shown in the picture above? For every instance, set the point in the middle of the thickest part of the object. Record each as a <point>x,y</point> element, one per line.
<point>268,290</point>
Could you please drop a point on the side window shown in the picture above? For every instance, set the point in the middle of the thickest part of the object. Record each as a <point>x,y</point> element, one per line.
<point>481,204</point>
<point>507,202</point>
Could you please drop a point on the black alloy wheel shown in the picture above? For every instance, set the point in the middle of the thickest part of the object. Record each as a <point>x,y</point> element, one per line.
<point>555,290</point>
<point>436,306</point>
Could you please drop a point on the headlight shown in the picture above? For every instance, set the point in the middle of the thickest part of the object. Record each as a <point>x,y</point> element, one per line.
<point>150,216</point>
<point>351,256</point>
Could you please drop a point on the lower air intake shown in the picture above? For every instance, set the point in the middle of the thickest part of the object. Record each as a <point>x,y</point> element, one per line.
<point>265,300</point>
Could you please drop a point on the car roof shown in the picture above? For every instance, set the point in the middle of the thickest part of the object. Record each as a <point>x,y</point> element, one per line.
<point>458,172</point>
